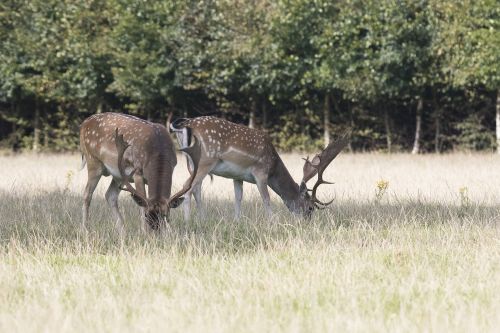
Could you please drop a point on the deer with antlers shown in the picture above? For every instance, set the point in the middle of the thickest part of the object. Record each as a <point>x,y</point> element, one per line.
<point>234,151</point>
<point>132,150</point>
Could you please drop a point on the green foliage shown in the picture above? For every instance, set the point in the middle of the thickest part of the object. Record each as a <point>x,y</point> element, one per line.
<point>475,26</point>
<point>474,135</point>
<point>290,135</point>
<point>63,60</point>
<point>144,51</point>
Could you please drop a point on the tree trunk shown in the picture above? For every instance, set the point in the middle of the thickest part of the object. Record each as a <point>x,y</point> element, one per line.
<point>351,123</point>
<point>37,129</point>
<point>326,120</point>
<point>170,114</point>
<point>45,136</point>
<point>498,121</point>
<point>46,129</point>
<point>388,133</point>
<point>264,115</point>
<point>437,124</point>
<point>15,137</point>
<point>100,107</point>
<point>418,127</point>
<point>253,112</point>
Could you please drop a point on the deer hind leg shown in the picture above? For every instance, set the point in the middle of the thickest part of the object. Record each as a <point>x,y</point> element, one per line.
<point>186,205</point>
<point>204,168</point>
<point>238,196</point>
<point>197,197</point>
<point>196,192</point>
<point>95,171</point>
<point>112,198</point>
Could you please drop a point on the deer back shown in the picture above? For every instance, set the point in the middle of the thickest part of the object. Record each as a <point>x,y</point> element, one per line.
<point>151,152</point>
<point>224,140</point>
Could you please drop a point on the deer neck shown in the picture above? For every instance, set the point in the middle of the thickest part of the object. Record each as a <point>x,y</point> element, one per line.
<point>283,184</point>
<point>159,177</point>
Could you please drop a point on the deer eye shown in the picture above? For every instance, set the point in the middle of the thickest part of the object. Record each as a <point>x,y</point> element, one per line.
<point>310,208</point>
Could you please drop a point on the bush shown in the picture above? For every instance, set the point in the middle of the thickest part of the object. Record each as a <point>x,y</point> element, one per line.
<point>473,135</point>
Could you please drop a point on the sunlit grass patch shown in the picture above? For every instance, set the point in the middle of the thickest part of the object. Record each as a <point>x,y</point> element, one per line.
<point>404,263</point>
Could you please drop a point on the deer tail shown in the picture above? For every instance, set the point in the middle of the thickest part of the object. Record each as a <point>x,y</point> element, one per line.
<point>183,135</point>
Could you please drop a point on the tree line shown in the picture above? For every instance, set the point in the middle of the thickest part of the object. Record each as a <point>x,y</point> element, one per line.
<point>406,75</point>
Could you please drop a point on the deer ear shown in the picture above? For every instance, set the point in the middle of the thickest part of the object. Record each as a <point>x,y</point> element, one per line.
<point>139,200</point>
<point>176,202</point>
<point>310,168</point>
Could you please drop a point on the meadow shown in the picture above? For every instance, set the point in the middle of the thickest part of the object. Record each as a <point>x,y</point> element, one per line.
<point>411,243</point>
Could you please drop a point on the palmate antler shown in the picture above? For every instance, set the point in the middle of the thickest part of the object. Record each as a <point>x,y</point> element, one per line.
<point>320,162</point>
<point>121,147</point>
<point>194,151</point>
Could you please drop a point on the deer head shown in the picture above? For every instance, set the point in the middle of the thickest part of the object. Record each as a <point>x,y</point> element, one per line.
<point>157,211</point>
<point>316,166</point>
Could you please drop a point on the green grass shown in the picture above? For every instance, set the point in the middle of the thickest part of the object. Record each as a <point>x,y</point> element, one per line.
<point>397,264</point>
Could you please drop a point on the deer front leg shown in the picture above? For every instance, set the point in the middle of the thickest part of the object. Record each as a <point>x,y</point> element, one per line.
<point>141,189</point>
<point>261,181</point>
<point>112,198</point>
<point>94,174</point>
<point>238,196</point>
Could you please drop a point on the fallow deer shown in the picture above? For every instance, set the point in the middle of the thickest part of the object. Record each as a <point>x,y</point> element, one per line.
<point>150,160</point>
<point>243,154</point>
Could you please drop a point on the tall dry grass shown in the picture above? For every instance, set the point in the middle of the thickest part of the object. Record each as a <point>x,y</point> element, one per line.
<point>421,253</point>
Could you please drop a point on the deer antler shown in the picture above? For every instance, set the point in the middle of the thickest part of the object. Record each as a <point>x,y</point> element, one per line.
<point>194,151</point>
<point>320,162</point>
<point>169,120</point>
<point>121,147</point>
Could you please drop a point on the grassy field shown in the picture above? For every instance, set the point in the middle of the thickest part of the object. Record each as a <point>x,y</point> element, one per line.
<point>420,252</point>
